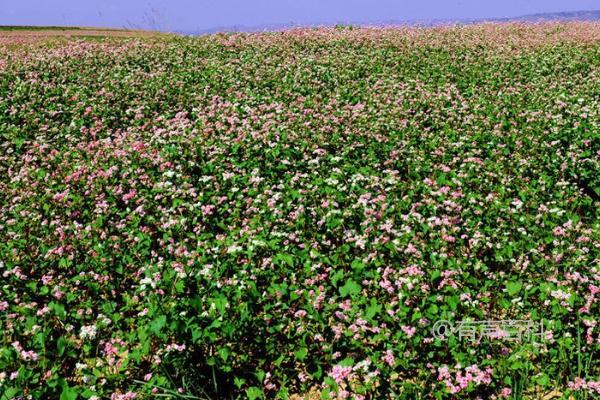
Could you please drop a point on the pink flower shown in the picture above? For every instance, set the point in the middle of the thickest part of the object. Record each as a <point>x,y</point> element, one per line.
<point>462,379</point>
<point>41,311</point>
<point>300,314</point>
<point>29,356</point>
<point>389,358</point>
<point>208,210</point>
<point>339,373</point>
<point>578,384</point>
<point>126,396</point>
<point>129,195</point>
<point>409,330</point>
<point>559,231</point>
<point>448,238</point>
<point>60,196</point>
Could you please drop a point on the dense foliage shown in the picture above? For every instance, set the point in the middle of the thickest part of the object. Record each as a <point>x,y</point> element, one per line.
<point>287,214</point>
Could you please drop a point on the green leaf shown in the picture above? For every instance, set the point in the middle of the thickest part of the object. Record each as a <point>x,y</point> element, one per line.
<point>9,393</point>
<point>61,343</point>
<point>350,288</point>
<point>196,334</point>
<point>339,274</point>
<point>433,310</point>
<point>453,302</point>
<point>68,393</point>
<point>238,382</point>
<point>157,324</point>
<point>513,287</point>
<point>253,393</point>
<point>224,353</point>
<point>288,259</point>
<point>357,265</point>
<point>373,309</point>
<point>58,309</point>
<point>301,353</point>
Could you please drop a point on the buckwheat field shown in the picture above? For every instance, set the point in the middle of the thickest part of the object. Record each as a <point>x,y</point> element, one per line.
<point>288,214</point>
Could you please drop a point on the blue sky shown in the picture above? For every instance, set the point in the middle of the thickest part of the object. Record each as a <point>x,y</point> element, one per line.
<point>189,15</point>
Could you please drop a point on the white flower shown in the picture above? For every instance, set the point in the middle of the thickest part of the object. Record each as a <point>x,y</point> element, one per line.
<point>234,249</point>
<point>561,295</point>
<point>205,271</point>
<point>104,319</point>
<point>517,203</point>
<point>147,281</point>
<point>88,332</point>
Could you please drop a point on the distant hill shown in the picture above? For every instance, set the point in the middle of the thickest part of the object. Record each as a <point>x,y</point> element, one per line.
<point>559,16</point>
<point>585,15</point>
